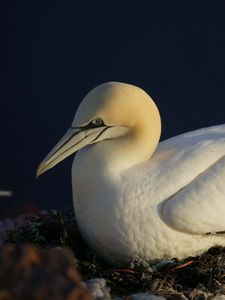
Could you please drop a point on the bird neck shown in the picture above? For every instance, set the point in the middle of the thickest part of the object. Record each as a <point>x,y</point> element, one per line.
<point>141,141</point>
<point>117,155</point>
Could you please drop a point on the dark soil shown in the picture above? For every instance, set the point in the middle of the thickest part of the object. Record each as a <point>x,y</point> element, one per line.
<point>202,276</point>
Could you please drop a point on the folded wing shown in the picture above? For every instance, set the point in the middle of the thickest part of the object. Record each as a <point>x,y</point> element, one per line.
<point>199,207</point>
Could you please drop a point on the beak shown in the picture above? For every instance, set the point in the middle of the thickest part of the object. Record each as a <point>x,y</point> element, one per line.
<point>72,141</point>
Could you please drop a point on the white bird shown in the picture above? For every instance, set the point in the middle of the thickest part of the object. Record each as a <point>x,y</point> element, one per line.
<point>135,197</point>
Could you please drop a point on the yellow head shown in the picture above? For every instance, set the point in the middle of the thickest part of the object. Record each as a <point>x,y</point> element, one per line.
<point>110,111</point>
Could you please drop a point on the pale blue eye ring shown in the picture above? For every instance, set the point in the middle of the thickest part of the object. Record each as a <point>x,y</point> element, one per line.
<point>97,122</point>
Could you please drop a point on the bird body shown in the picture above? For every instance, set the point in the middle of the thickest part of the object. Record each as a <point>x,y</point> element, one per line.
<point>164,207</point>
<point>134,197</point>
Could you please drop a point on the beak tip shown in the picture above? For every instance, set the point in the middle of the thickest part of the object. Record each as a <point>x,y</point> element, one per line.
<point>40,170</point>
<point>37,174</point>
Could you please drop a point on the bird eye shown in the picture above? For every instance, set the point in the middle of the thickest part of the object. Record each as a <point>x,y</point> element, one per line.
<point>97,122</point>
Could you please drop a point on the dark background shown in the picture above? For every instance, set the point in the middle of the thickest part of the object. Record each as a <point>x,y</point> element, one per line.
<point>56,51</point>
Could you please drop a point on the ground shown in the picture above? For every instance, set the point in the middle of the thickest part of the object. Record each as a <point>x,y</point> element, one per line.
<point>203,276</point>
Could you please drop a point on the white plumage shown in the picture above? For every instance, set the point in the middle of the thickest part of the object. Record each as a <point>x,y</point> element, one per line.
<point>132,200</point>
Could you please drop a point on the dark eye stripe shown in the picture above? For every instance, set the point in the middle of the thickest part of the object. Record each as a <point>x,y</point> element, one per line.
<point>91,124</point>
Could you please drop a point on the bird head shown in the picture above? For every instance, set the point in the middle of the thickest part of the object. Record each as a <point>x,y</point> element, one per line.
<point>111,110</point>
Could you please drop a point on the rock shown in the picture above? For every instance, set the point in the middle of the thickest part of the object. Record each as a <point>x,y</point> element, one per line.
<point>98,288</point>
<point>29,273</point>
<point>144,296</point>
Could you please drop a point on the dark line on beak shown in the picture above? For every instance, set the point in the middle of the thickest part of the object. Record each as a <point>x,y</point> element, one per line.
<point>68,140</point>
<point>74,144</point>
<point>100,134</point>
<point>84,139</point>
<point>78,142</point>
<point>88,126</point>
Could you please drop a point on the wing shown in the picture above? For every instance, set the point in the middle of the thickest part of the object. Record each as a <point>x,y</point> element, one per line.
<point>199,207</point>
<point>185,181</point>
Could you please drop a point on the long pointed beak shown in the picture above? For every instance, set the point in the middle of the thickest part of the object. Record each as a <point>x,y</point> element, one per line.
<point>72,141</point>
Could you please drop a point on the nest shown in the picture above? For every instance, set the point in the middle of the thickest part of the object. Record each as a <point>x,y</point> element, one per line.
<point>201,276</point>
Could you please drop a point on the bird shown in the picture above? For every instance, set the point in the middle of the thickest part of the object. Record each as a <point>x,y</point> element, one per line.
<point>134,195</point>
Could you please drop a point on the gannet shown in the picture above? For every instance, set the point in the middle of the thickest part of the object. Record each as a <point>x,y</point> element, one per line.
<point>136,197</point>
